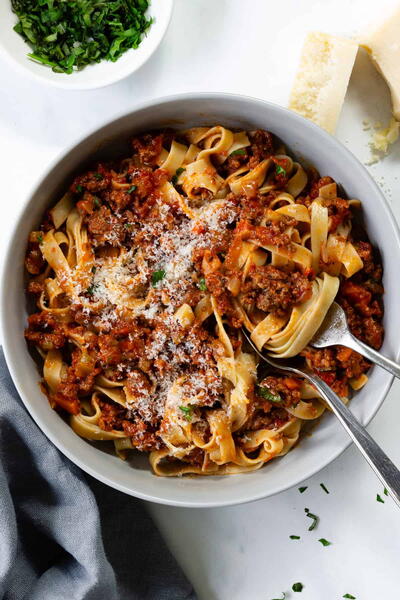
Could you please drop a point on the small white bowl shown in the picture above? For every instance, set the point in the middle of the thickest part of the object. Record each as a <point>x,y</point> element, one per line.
<point>308,142</point>
<point>15,49</point>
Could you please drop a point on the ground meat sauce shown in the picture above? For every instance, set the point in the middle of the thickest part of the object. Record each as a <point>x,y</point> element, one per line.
<point>119,204</point>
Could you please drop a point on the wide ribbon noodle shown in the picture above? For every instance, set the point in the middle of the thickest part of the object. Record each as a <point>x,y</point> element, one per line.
<point>145,271</point>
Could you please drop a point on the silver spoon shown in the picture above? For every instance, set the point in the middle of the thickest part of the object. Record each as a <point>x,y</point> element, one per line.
<point>374,455</point>
<point>335,331</point>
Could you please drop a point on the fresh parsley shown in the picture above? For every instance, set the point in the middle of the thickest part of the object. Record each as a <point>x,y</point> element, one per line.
<point>265,393</point>
<point>91,289</point>
<point>96,203</point>
<point>67,36</point>
<point>132,189</point>
<point>202,284</point>
<point>157,276</point>
<point>79,189</point>
<point>379,499</point>
<point>187,411</point>
<point>128,225</point>
<point>324,488</point>
<point>314,518</point>
<point>303,489</point>
<point>297,587</point>
<point>280,170</point>
<point>325,542</point>
<point>349,596</point>
<point>93,269</point>
<point>98,176</point>
<point>294,537</point>
<point>39,238</point>
<point>238,152</point>
<point>385,492</point>
<point>174,178</point>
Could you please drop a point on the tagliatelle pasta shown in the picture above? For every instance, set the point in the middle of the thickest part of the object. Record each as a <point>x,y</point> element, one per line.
<point>145,271</point>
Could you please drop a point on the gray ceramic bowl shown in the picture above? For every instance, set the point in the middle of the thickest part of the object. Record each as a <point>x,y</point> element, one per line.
<point>310,143</point>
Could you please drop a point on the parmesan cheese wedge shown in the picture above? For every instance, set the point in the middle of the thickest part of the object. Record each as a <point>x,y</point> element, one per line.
<point>321,82</point>
<point>383,46</point>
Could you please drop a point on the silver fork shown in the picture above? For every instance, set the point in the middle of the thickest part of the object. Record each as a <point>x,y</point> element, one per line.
<point>373,454</point>
<point>335,330</point>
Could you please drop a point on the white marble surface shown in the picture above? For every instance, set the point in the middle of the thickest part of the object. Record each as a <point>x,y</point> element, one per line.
<point>252,47</point>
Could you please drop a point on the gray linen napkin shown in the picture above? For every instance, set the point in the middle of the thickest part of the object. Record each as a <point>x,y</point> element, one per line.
<point>64,535</point>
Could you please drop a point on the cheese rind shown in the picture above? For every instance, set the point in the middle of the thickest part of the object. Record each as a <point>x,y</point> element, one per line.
<point>321,82</point>
<point>383,46</point>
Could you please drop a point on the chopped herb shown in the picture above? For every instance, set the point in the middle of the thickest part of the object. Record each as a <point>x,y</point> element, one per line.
<point>324,488</point>
<point>174,178</point>
<point>313,517</point>
<point>325,542</point>
<point>98,176</point>
<point>202,284</point>
<point>349,596</point>
<point>280,170</point>
<point>93,269</point>
<point>79,189</point>
<point>379,499</point>
<point>128,225</point>
<point>239,152</point>
<point>303,489</point>
<point>283,597</point>
<point>132,189</point>
<point>91,289</point>
<point>297,587</point>
<point>386,492</point>
<point>294,537</point>
<point>187,411</point>
<point>39,238</point>
<point>96,202</point>
<point>67,36</point>
<point>265,393</point>
<point>157,276</point>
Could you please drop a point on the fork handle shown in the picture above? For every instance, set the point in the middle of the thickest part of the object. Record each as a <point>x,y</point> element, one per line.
<point>373,355</point>
<point>384,468</point>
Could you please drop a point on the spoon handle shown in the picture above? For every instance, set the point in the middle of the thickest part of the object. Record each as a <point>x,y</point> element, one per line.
<point>373,355</point>
<point>387,472</point>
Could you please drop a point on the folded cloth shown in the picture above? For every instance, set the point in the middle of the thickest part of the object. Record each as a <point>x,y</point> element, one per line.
<point>65,536</point>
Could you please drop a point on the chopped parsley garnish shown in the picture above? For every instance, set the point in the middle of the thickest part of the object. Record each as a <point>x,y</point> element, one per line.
<point>324,488</point>
<point>67,36</point>
<point>39,238</point>
<point>379,499</point>
<point>91,289</point>
<point>297,587</point>
<point>386,492</point>
<point>128,225</point>
<point>157,276</point>
<point>96,202</point>
<point>303,489</point>
<point>325,542</point>
<point>132,189</point>
<point>79,189</point>
<point>239,152</point>
<point>280,170</point>
<point>187,411</point>
<point>349,596</point>
<point>174,178</point>
<point>98,176</point>
<point>313,517</point>
<point>93,269</point>
<point>202,284</point>
<point>294,537</point>
<point>265,393</point>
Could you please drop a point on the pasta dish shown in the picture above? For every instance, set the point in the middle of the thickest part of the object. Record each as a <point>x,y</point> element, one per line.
<point>145,271</point>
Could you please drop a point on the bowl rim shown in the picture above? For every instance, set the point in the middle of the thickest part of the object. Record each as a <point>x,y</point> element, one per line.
<point>70,84</point>
<point>74,455</point>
